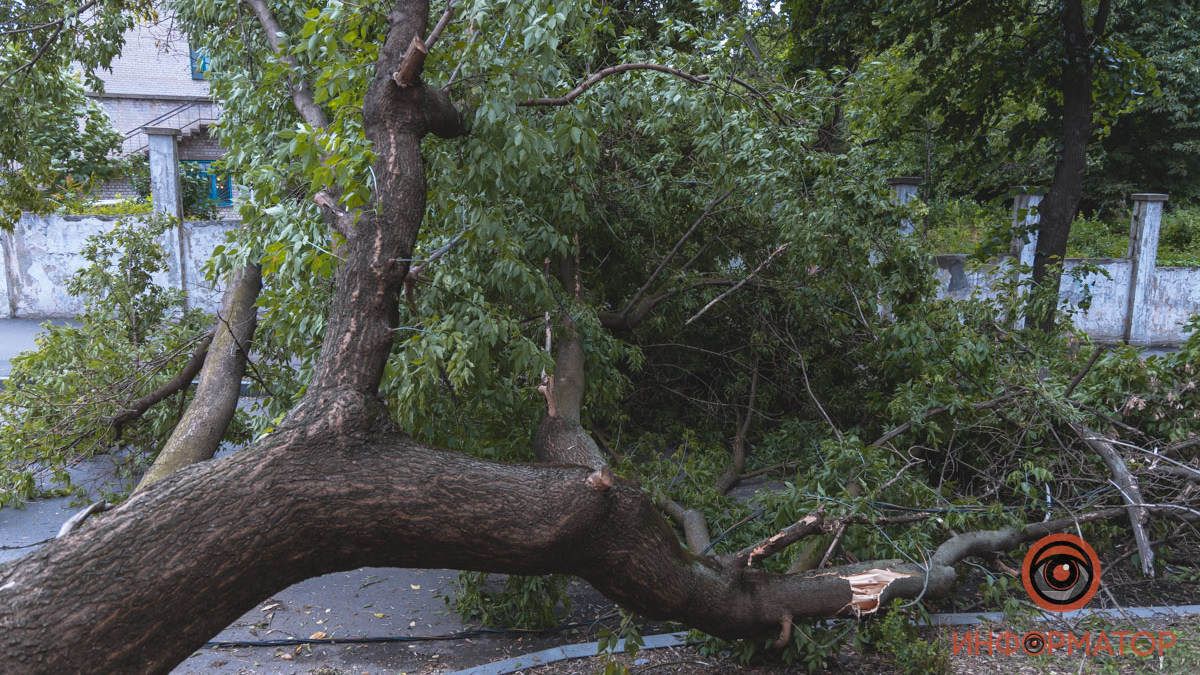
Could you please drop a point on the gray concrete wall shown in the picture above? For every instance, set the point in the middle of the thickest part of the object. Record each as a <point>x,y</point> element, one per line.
<point>42,253</point>
<point>1173,299</point>
<point>1129,299</point>
<point>1173,296</point>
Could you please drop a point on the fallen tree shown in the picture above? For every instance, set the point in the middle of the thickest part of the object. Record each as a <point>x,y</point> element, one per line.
<point>336,485</point>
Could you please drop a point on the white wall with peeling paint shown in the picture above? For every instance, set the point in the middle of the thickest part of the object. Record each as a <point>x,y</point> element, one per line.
<point>43,253</point>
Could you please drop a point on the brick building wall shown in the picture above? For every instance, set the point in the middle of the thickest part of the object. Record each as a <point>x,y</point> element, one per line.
<point>151,83</point>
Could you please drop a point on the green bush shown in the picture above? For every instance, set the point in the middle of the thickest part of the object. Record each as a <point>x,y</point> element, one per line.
<point>897,636</point>
<point>1094,238</point>
<point>1179,242</point>
<point>523,602</point>
<point>120,207</point>
<point>133,335</point>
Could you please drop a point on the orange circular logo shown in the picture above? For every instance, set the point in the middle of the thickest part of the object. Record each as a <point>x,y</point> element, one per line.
<point>1061,572</point>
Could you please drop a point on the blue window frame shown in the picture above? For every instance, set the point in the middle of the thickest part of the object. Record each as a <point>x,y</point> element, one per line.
<point>199,63</point>
<point>220,188</point>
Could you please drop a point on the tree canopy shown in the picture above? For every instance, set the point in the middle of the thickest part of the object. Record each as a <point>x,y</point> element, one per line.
<point>541,282</point>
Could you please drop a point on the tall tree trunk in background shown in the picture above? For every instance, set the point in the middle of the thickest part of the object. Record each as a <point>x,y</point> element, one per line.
<point>198,434</point>
<point>1058,209</point>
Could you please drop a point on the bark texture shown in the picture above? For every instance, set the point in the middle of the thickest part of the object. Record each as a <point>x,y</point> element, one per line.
<point>1058,209</point>
<point>198,433</point>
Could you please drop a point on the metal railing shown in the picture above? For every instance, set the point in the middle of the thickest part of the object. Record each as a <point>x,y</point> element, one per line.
<point>187,118</point>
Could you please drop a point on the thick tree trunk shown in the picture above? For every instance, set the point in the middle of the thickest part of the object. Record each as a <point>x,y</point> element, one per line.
<point>198,434</point>
<point>1058,209</point>
<point>140,588</point>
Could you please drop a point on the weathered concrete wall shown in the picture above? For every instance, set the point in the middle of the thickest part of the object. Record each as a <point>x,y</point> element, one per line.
<point>1129,299</point>
<point>1104,319</point>
<point>200,237</point>
<point>1174,298</point>
<point>42,253</point>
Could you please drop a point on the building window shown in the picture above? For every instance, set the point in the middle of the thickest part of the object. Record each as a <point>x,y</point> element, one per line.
<point>199,61</point>
<point>220,188</point>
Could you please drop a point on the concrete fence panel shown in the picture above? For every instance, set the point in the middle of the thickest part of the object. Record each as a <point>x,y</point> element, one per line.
<point>43,253</point>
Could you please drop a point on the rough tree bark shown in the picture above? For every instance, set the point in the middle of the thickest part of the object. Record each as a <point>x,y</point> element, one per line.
<point>198,433</point>
<point>139,588</point>
<point>1058,209</point>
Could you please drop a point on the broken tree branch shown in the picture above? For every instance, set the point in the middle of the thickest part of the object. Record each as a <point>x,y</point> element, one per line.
<point>412,63</point>
<point>737,462</point>
<point>591,81</point>
<point>440,26</point>
<point>708,209</point>
<point>817,402</point>
<point>181,380</point>
<point>1127,484</point>
<point>695,527</point>
<point>937,410</point>
<point>810,524</point>
<point>198,433</point>
<point>738,285</point>
<point>1096,354</point>
<point>302,95</point>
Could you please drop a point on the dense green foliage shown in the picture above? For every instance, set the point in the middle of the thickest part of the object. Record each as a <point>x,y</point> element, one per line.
<point>133,335</point>
<point>54,141</point>
<point>836,315</point>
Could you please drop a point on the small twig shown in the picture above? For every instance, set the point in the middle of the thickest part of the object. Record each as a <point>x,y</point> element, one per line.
<point>591,81</point>
<point>738,285</point>
<point>1100,349</point>
<point>820,408</point>
<point>837,539</point>
<point>21,546</point>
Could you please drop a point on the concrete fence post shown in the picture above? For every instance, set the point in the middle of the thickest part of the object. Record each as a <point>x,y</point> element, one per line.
<point>166,193</point>
<point>6,298</point>
<point>1143,256</point>
<point>904,190</point>
<point>1025,218</point>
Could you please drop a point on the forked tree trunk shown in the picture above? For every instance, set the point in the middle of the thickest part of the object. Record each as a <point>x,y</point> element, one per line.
<point>138,589</point>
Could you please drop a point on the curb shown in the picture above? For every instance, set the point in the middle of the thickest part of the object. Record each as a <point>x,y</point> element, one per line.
<point>565,653</point>
<point>586,649</point>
